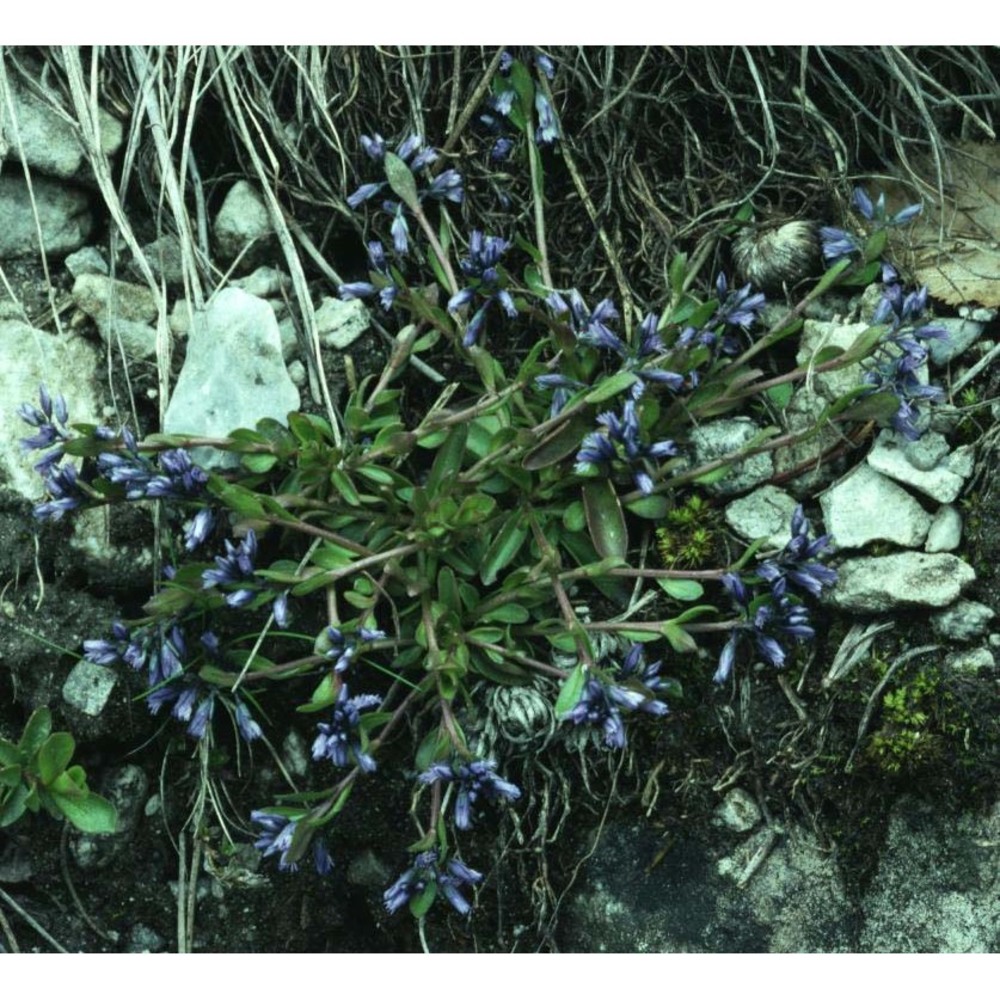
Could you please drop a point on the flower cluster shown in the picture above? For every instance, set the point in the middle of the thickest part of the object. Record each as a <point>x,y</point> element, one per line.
<point>339,739</point>
<point>899,359</point>
<point>427,871</point>
<point>234,569</point>
<point>839,244</point>
<point>630,688</point>
<point>447,186</point>
<point>738,309</point>
<point>342,648</point>
<point>620,442</point>
<point>774,615</point>
<point>473,780</point>
<point>276,838</point>
<point>382,281</point>
<point>486,281</point>
<point>161,650</point>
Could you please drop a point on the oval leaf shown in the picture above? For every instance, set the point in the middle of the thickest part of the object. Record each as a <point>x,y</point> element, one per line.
<point>605,519</point>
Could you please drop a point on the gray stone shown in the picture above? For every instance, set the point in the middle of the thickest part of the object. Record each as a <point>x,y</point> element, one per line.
<point>937,886</point>
<point>104,298</point>
<point>341,323</point>
<point>970,661</point>
<point>295,753</point>
<point>945,532</point>
<point>962,334</point>
<point>122,312</point>
<point>718,438</point>
<point>264,282</point>
<point>46,138</point>
<point>233,374</point>
<point>765,513</point>
<point>814,338</point>
<point>241,221</point>
<point>86,260</point>
<point>801,414</point>
<point>963,621</point>
<point>978,314</point>
<point>622,903</point>
<point>737,812</point>
<point>854,512</point>
<point>88,687</point>
<point>900,460</point>
<point>872,584</point>
<point>64,217</point>
<point>297,372</point>
<point>136,340</point>
<point>144,940</point>
<point>28,358</point>
<point>165,259</point>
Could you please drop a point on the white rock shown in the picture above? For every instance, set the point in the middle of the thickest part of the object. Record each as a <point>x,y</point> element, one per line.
<point>962,334</point>
<point>963,621</point>
<point>42,137</point>
<point>718,438</point>
<point>943,481</point>
<point>88,687</point>
<point>945,532</point>
<point>816,336</point>
<point>233,374</point>
<point>738,811</point>
<point>970,661</point>
<point>242,220</point>
<point>264,282</point>
<point>64,216</point>
<point>872,584</point>
<point>28,358</point>
<point>86,260</point>
<point>765,513</point>
<point>340,323</point>
<point>855,512</point>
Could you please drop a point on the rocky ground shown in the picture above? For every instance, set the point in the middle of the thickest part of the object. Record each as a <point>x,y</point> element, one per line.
<point>852,806</point>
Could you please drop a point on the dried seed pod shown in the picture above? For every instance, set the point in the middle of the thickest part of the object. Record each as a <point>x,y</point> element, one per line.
<point>770,257</point>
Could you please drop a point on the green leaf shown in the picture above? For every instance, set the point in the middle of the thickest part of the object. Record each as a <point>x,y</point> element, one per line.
<point>875,245</point>
<point>486,634</point>
<point>571,690</point>
<point>682,590</point>
<point>89,813</point>
<point>322,697</point>
<point>605,519</point>
<point>329,555</point>
<point>560,443</point>
<point>829,279</point>
<point>10,776</point>
<point>609,387</point>
<point>880,407</point>
<point>401,180</point>
<point>433,746</point>
<point>259,462</point>
<point>12,808</point>
<point>652,508</point>
<point>341,482</point>
<point>54,756</point>
<point>448,460</point>
<point>423,901</point>
<point>677,273</point>
<point>680,640</point>
<point>780,395</point>
<point>9,753</point>
<point>504,547</point>
<point>512,614</point>
<point>36,732</point>
<point>573,518</point>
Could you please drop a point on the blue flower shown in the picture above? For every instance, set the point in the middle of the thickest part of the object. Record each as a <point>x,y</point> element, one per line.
<point>447,186</point>
<point>198,528</point>
<point>738,307</point>
<point>342,649</point>
<point>276,838</point>
<point>478,778</point>
<point>426,869</point>
<point>629,687</point>
<point>235,567</point>
<point>338,739</point>
<point>838,244</point>
<point>796,561</point>
<point>548,127</point>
